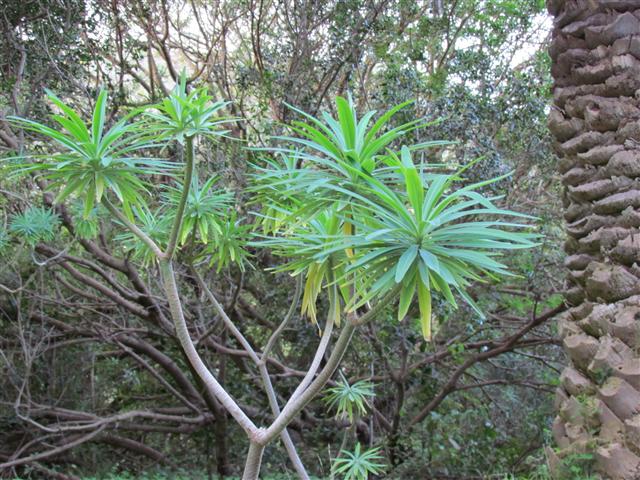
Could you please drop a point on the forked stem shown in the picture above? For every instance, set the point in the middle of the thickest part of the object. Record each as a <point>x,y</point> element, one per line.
<point>182,332</point>
<point>262,366</point>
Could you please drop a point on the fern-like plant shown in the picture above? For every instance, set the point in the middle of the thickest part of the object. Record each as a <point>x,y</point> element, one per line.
<point>35,224</point>
<point>349,400</point>
<point>359,464</point>
<point>205,210</point>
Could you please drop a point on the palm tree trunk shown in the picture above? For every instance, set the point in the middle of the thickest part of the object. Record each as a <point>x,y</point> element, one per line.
<point>595,119</point>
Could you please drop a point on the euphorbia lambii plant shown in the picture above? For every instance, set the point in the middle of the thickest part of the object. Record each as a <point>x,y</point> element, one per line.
<point>342,201</point>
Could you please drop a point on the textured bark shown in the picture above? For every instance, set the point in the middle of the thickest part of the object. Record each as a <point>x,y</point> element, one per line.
<point>596,123</point>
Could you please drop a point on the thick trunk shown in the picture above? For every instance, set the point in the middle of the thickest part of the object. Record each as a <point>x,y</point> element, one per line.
<point>596,122</point>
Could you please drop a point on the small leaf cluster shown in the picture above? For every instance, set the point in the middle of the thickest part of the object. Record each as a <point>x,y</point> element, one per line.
<point>155,225</point>
<point>229,246</point>
<point>185,114</point>
<point>86,226</point>
<point>35,224</point>
<point>349,399</point>
<point>205,209</point>
<point>359,464</point>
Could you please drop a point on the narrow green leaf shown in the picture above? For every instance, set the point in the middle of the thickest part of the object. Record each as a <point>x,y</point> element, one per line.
<point>406,295</point>
<point>99,113</point>
<point>424,302</point>
<point>405,262</point>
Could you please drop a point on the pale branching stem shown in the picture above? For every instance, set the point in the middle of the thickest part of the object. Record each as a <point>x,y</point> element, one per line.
<point>334,307</point>
<point>225,318</point>
<point>278,331</point>
<point>264,373</point>
<point>212,384</point>
<point>254,458</point>
<point>295,405</point>
<point>317,359</point>
<point>253,462</point>
<point>186,185</point>
<point>133,227</point>
<point>286,438</point>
